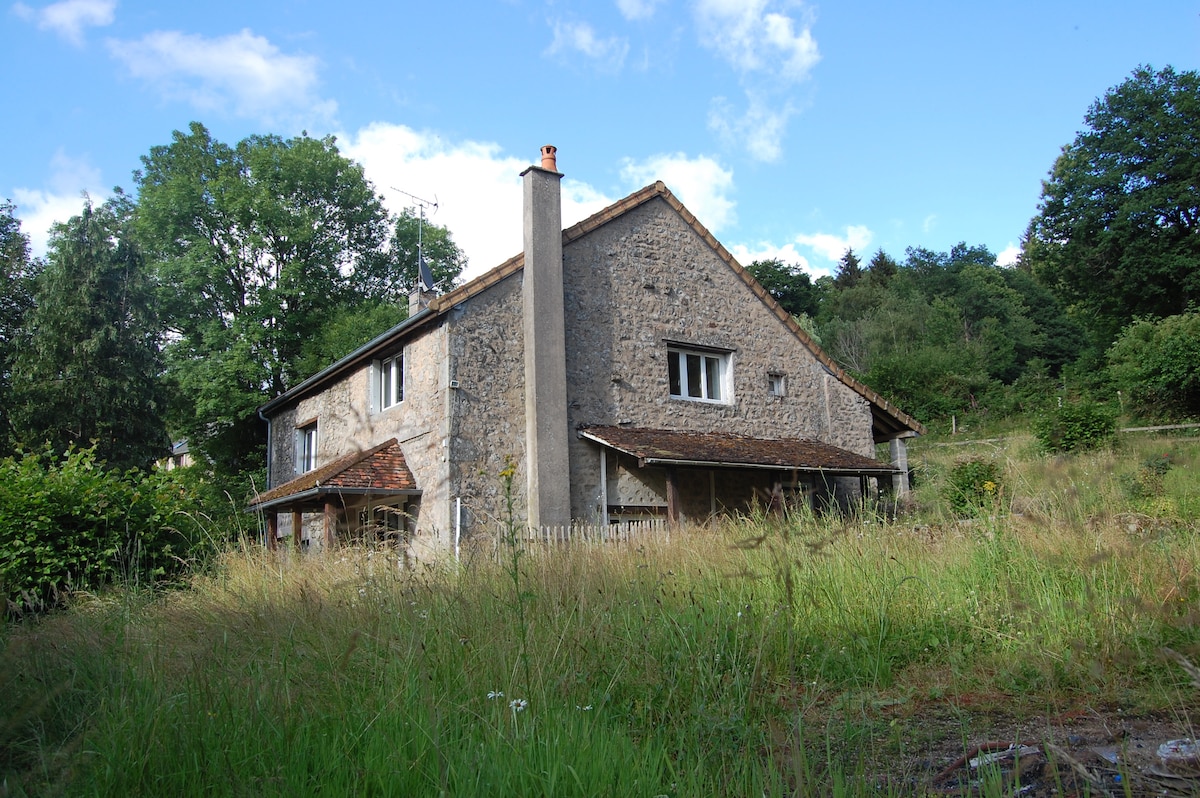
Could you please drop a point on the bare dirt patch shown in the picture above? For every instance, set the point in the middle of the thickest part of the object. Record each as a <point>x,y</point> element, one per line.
<point>952,750</point>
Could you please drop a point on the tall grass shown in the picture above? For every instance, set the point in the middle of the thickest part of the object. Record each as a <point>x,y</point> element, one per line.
<point>751,659</point>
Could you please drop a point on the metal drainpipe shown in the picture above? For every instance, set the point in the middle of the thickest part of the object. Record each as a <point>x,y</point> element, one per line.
<point>268,423</point>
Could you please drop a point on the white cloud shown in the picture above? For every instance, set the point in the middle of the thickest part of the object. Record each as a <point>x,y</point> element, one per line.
<point>69,18</point>
<point>637,9</point>
<point>579,37</point>
<point>1008,256</point>
<point>61,199</point>
<point>701,184</point>
<point>758,130</point>
<point>929,223</point>
<point>832,247</point>
<point>477,187</point>
<point>752,38</point>
<point>771,52</point>
<point>241,69</point>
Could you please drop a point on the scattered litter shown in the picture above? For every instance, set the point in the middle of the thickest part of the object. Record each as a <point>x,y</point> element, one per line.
<point>1182,756</point>
<point>1007,753</point>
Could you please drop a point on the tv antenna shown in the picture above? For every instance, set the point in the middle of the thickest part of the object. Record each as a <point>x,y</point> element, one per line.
<point>424,275</point>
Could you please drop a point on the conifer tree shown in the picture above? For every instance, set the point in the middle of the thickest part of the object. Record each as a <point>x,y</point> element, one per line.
<point>87,371</point>
<point>16,298</point>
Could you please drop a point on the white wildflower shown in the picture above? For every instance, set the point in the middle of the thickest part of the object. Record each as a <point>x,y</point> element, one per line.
<point>494,694</point>
<point>518,704</point>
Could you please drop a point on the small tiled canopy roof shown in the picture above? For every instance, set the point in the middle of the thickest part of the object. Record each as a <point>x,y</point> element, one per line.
<point>379,471</point>
<point>714,449</point>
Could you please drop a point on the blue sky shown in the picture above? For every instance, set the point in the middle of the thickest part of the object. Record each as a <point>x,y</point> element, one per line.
<point>790,129</point>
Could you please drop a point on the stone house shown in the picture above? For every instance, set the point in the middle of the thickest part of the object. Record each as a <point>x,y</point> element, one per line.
<point>624,368</point>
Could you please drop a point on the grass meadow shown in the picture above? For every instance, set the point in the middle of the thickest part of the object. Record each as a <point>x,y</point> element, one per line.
<point>811,657</point>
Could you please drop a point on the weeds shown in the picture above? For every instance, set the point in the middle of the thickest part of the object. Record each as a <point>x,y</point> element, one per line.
<point>806,664</point>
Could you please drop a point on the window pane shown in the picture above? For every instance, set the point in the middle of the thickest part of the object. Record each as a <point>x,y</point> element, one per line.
<point>673,372</point>
<point>694,375</point>
<point>713,374</point>
<point>391,381</point>
<point>308,449</point>
<point>398,368</point>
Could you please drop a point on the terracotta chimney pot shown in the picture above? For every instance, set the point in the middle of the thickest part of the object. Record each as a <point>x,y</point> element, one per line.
<point>549,160</point>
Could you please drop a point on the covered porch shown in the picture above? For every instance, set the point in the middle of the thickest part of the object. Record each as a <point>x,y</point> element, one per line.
<point>370,492</point>
<point>695,476</point>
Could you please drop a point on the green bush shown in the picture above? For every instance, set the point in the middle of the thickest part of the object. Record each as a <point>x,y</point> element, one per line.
<point>1149,480</point>
<point>1157,365</point>
<point>973,485</point>
<point>1075,427</point>
<point>67,523</point>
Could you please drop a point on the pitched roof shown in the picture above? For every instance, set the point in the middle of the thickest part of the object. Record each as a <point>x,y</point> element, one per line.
<point>670,447</point>
<point>380,470</point>
<point>888,421</point>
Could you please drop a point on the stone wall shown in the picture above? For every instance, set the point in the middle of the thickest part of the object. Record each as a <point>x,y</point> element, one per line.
<point>646,279</point>
<point>630,287</point>
<point>487,429</point>
<point>349,420</point>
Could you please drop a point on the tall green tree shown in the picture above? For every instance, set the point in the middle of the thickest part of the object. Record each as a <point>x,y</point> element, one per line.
<point>17,278</point>
<point>882,268</point>
<point>1116,232</point>
<point>789,285</point>
<point>255,247</point>
<point>88,370</point>
<point>849,270</point>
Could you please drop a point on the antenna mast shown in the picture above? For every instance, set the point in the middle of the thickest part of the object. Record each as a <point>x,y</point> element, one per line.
<point>424,275</point>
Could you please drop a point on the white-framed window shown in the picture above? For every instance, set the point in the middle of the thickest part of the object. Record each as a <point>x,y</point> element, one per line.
<point>699,375</point>
<point>391,381</point>
<point>776,384</point>
<point>306,447</point>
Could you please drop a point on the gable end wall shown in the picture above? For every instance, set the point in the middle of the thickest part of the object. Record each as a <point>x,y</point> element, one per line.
<point>647,278</point>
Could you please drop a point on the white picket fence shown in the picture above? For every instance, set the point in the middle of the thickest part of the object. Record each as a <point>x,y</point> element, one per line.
<point>622,532</point>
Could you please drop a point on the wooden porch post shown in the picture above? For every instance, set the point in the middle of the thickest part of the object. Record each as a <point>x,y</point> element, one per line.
<point>272,529</point>
<point>297,523</point>
<point>672,498</point>
<point>898,449</point>
<point>604,486</point>
<point>330,524</point>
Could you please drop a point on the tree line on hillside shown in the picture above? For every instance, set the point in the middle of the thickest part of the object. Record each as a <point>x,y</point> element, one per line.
<point>1102,303</point>
<point>233,272</point>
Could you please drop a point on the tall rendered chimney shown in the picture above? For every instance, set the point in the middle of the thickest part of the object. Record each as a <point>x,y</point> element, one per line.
<point>546,433</point>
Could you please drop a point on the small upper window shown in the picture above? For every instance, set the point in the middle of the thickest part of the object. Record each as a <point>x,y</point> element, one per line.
<point>776,384</point>
<point>703,376</point>
<point>306,448</point>
<point>391,381</point>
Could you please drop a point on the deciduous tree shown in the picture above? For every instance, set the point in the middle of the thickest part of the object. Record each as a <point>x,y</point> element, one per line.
<point>1116,230</point>
<point>790,286</point>
<point>255,247</point>
<point>1157,364</point>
